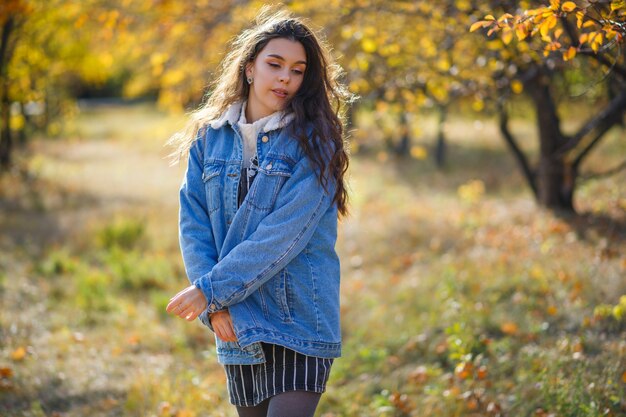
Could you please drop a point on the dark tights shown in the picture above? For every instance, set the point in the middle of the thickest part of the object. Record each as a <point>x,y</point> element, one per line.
<point>286,404</point>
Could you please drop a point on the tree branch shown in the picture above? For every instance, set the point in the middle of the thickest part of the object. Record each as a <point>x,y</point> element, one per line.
<point>601,58</point>
<point>609,116</point>
<point>517,152</point>
<point>604,174</point>
<point>599,135</point>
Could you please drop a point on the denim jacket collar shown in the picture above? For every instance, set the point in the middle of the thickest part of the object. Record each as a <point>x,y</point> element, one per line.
<point>232,113</point>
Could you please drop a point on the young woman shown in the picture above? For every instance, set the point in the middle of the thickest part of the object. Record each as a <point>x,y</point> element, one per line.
<point>259,206</point>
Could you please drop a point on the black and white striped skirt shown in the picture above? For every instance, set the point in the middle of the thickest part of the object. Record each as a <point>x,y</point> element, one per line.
<point>284,370</point>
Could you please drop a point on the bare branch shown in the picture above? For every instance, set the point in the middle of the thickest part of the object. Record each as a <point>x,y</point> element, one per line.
<point>604,174</point>
<point>517,151</point>
<point>603,120</point>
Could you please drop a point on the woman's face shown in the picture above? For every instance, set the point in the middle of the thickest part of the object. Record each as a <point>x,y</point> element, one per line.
<point>277,71</point>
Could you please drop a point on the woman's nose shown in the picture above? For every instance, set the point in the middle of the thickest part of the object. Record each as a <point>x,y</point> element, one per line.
<point>283,78</point>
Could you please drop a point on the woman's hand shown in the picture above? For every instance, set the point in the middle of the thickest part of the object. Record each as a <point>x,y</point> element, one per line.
<point>223,325</point>
<point>187,304</point>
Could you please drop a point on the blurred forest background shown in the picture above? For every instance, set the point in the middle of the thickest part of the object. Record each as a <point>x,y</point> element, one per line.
<point>483,264</point>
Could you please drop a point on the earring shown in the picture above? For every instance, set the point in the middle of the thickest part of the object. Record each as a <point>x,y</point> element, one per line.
<point>250,80</point>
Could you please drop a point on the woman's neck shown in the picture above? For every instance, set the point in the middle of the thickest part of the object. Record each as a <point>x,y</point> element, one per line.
<point>255,112</point>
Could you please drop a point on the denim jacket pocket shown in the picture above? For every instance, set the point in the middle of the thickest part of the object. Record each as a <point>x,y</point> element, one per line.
<point>283,295</point>
<point>213,185</point>
<point>272,175</point>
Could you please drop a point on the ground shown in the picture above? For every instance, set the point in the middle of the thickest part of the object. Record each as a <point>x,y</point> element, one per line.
<point>459,295</point>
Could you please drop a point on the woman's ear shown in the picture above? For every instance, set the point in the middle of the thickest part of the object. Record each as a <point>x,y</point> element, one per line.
<point>249,69</point>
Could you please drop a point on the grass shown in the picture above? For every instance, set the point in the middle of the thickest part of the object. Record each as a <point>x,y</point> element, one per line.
<point>459,296</point>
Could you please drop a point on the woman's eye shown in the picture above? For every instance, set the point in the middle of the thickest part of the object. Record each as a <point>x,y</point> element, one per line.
<point>299,72</point>
<point>272,64</point>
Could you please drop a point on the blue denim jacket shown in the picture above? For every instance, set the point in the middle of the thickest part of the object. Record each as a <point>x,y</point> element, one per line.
<point>272,261</point>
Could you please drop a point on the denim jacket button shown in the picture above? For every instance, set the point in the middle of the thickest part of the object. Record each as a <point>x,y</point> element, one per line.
<point>212,306</point>
<point>265,139</point>
<point>269,166</point>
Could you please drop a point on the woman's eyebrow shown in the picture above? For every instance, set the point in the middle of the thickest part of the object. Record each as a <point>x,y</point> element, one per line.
<point>283,59</point>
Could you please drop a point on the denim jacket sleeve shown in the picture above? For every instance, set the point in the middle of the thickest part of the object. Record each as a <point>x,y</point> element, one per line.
<point>195,234</point>
<point>279,237</point>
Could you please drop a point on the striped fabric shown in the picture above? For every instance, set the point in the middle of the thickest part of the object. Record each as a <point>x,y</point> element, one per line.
<point>284,370</point>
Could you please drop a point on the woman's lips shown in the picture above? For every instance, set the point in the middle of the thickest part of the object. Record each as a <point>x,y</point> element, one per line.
<point>280,93</point>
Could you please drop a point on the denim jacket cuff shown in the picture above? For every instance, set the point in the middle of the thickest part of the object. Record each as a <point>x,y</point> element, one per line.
<point>205,319</point>
<point>204,285</point>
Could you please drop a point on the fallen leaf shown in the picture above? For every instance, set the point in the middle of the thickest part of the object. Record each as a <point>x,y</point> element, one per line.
<point>133,340</point>
<point>419,375</point>
<point>509,328</point>
<point>464,370</point>
<point>481,373</point>
<point>18,354</point>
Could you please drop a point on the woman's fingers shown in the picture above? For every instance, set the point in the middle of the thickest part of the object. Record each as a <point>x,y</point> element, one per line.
<point>190,315</point>
<point>223,333</point>
<point>223,327</point>
<point>172,305</point>
<point>231,328</point>
<point>221,321</point>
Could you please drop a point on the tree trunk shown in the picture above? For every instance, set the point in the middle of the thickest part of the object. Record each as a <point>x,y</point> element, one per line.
<point>21,133</point>
<point>404,146</point>
<point>555,178</point>
<point>5,115</point>
<point>6,144</point>
<point>440,147</point>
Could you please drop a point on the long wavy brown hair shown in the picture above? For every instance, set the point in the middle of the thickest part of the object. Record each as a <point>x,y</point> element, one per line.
<point>320,101</point>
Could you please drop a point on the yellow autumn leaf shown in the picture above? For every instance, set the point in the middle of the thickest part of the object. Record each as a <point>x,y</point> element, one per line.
<point>583,38</point>
<point>569,54</point>
<point>505,17</point>
<point>588,24</point>
<point>544,28</point>
<point>568,6</point>
<point>368,45</point>
<point>478,105</point>
<point>579,19</point>
<point>520,31</point>
<point>479,24</point>
<point>507,35</point>
<point>418,152</point>
<point>489,17</point>
<point>599,38</point>
<point>618,4</point>
<point>551,21</point>
<point>610,34</point>
<point>555,4</point>
<point>517,86</point>
<point>596,41</point>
